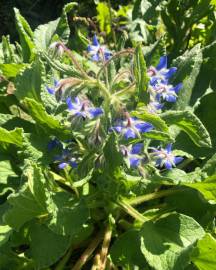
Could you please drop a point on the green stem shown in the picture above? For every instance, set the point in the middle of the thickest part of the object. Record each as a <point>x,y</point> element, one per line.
<point>111,26</point>
<point>88,252</point>
<point>118,54</point>
<point>105,247</point>
<point>152,196</point>
<point>132,211</point>
<point>125,90</point>
<point>64,260</point>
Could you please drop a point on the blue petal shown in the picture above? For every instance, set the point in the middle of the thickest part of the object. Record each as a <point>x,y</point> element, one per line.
<point>73,164</point>
<point>95,57</point>
<point>178,159</point>
<point>117,128</point>
<point>177,87</point>
<point>144,127</point>
<point>107,55</point>
<point>81,114</point>
<point>171,71</point>
<point>95,111</point>
<point>130,134</point>
<point>162,63</point>
<point>154,81</point>
<point>158,97</point>
<point>168,165</point>
<point>62,165</point>
<point>89,48</point>
<point>77,101</point>
<point>95,41</point>
<point>56,83</point>
<point>169,148</point>
<point>170,98</point>
<point>136,148</point>
<point>134,162</point>
<point>158,106</point>
<point>158,162</point>
<point>69,103</point>
<point>54,143</point>
<point>50,90</point>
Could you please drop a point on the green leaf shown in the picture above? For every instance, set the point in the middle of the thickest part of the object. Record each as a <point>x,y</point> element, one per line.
<point>43,119</point>
<point>189,123</point>
<point>103,17</point>
<point>113,157</point>
<point>126,250</point>
<point>158,135</point>
<point>26,37</point>
<point>188,65</point>
<point>7,50</point>
<point>166,243</point>
<point>207,188</point>
<point>45,34</point>
<point>11,70</point>
<point>206,112</point>
<point>46,247</point>
<point>5,230</point>
<point>69,216</point>
<point>37,184</point>
<point>30,81</point>
<point>204,255</point>
<point>154,119</point>
<point>24,208</point>
<point>210,166</point>
<point>140,72</point>
<point>5,171</point>
<point>14,136</point>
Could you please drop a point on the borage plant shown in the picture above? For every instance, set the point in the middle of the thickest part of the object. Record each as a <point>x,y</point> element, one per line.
<point>91,177</point>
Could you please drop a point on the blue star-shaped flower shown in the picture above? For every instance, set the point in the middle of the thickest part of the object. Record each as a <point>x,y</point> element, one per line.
<point>165,157</point>
<point>161,72</point>
<point>131,153</point>
<point>66,159</point>
<point>82,108</point>
<point>167,92</point>
<point>132,127</point>
<point>98,52</point>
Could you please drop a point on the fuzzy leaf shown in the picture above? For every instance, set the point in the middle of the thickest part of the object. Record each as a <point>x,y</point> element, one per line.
<point>26,36</point>
<point>140,72</point>
<point>30,81</point>
<point>189,123</point>
<point>207,188</point>
<point>126,250</point>
<point>166,243</point>
<point>154,119</point>
<point>188,66</point>
<point>13,136</point>
<point>43,119</point>
<point>44,34</point>
<point>46,247</point>
<point>204,255</point>
<point>24,208</point>
<point>11,70</point>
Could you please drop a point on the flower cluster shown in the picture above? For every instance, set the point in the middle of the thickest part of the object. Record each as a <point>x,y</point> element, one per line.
<point>127,127</point>
<point>98,52</point>
<point>159,87</point>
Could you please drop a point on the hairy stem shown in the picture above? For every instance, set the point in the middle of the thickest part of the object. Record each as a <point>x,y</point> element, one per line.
<point>105,247</point>
<point>116,55</point>
<point>132,211</point>
<point>88,252</point>
<point>152,196</point>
